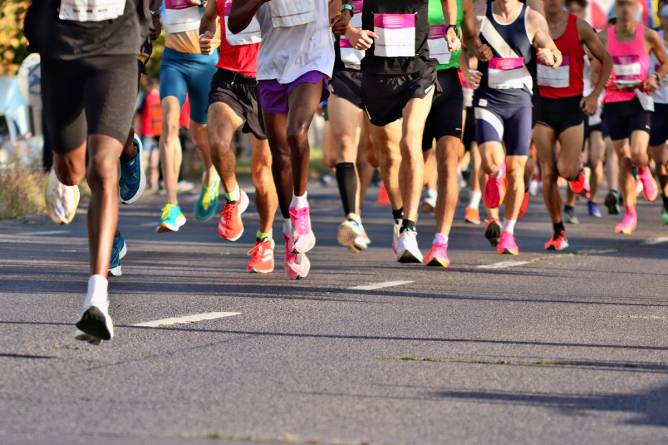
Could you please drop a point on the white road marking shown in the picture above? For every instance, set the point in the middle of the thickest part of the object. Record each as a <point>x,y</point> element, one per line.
<point>43,232</point>
<point>655,241</point>
<point>644,317</point>
<point>381,285</point>
<point>503,265</point>
<point>185,319</point>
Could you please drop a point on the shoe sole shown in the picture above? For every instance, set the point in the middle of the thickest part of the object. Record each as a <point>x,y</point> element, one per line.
<point>164,227</point>
<point>346,237</point>
<point>427,208</point>
<point>611,204</point>
<point>142,180</point>
<point>243,206</point>
<point>509,252</point>
<point>435,262</point>
<point>474,222</point>
<point>254,270</point>
<point>306,249</point>
<point>409,258</point>
<point>117,271</point>
<point>493,233</point>
<point>94,323</point>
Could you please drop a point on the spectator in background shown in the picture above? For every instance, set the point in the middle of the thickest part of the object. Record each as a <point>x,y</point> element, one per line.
<point>151,127</point>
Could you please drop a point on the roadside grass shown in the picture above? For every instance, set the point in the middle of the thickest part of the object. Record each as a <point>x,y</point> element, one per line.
<point>21,190</point>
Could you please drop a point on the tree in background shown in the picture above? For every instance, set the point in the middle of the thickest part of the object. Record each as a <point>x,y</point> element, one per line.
<point>13,45</point>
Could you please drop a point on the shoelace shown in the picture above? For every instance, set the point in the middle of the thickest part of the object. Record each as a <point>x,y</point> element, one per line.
<point>226,214</point>
<point>166,210</point>
<point>301,220</point>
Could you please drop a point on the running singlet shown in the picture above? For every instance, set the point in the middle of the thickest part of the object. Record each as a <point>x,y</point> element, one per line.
<point>346,55</point>
<point>291,48</point>
<point>506,80</point>
<point>181,19</point>
<point>630,65</point>
<point>403,30</point>
<point>151,114</point>
<point>438,47</point>
<point>237,53</point>
<point>661,95</point>
<point>567,79</point>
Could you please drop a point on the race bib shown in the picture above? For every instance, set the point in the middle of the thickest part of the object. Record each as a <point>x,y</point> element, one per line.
<point>248,36</point>
<point>287,13</point>
<point>627,70</point>
<point>91,10</point>
<point>646,101</point>
<point>438,47</point>
<point>181,16</point>
<point>559,77</point>
<point>351,57</point>
<point>507,73</point>
<point>396,35</point>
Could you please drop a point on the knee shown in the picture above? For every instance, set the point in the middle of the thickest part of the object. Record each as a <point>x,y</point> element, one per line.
<point>298,134</point>
<point>638,157</point>
<point>219,148</point>
<point>170,131</point>
<point>261,173</point>
<point>390,159</point>
<point>567,170</point>
<point>514,172</point>
<point>102,169</point>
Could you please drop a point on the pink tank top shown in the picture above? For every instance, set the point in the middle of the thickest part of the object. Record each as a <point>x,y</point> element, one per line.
<point>630,64</point>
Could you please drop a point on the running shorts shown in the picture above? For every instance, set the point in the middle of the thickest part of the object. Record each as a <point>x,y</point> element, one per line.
<point>623,118</point>
<point>385,96</point>
<point>659,122</point>
<point>445,117</point>
<point>559,114</point>
<point>274,96</point>
<point>504,123</point>
<point>184,74</point>
<point>347,84</point>
<point>240,94</point>
<point>92,95</point>
<point>469,129</point>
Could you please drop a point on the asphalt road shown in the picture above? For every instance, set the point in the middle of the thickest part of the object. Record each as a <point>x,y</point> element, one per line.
<point>550,348</point>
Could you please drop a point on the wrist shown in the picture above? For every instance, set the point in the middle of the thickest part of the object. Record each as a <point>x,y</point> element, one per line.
<point>347,7</point>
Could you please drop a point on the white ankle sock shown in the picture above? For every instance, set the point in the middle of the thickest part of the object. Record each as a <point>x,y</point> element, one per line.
<point>299,202</point>
<point>474,202</point>
<point>440,238</point>
<point>234,195</point>
<point>287,226</point>
<point>97,294</point>
<point>509,225</point>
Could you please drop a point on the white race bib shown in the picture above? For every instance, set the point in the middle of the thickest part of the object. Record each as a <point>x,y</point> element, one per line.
<point>438,47</point>
<point>396,35</point>
<point>248,36</point>
<point>287,13</point>
<point>559,77</point>
<point>646,101</point>
<point>351,57</point>
<point>91,10</point>
<point>507,73</point>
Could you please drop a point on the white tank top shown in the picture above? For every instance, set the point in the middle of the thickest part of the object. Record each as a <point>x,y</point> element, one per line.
<point>661,95</point>
<point>587,88</point>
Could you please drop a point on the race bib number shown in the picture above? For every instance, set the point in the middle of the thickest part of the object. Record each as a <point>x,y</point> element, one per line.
<point>396,35</point>
<point>559,77</point>
<point>287,13</point>
<point>627,70</point>
<point>248,36</point>
<point>438,47</point>
<point>507,73</point>
<point>351,57</point>
<point>91,10</point>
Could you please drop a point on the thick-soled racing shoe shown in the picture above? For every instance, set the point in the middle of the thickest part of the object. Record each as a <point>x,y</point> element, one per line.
<point>492,231</point>
<point>171,219</point>
<point>62,200</point>
<point>132,180</point>
<point>472,216</point>
<point>297,265</point>
<point>349,234</point>
<point>407,247</point>
<point>577,185</point>
<point>118,251</point>
<point>230,224</point>
<point>303,239</point>
<point>429,201</point>
<point>207,204</point>
<point>613,202</point>
<point>95,323</point>
<point>507,245</point>
<point>495,189</point>
<point>650,190</point>
<point>261,257</point>
<point>628,224</point>
<point>525,205</point>
<point>593,210</point>
<point>437,255</point>
<point>557,242</point>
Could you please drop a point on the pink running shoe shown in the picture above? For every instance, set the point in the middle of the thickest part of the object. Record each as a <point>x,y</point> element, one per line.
<point>438,255</point>
<point>507,245</point>
<point>303,238</point>
<point>495,189</point>
<point>578,184</point>
<point>649,189</point>
<point>629,223</point>
<point>297,265</point>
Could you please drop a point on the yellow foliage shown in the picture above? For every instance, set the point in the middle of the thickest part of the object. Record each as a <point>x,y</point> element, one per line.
<point>12,42</point>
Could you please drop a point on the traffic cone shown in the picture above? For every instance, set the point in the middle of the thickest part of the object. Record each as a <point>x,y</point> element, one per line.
<point>383,199</point>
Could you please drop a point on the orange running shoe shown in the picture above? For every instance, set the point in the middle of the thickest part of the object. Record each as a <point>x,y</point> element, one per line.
<point>230,225</point>
<point>262,257</point>
<point>472,216</point>
<point>578,184</point>
<point>525,206</point>
<point>495,189</point>
<point>557,242</point>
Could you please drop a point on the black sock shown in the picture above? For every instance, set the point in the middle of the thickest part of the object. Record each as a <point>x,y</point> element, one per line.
<point>398,214</point>
<point>407,224</point>
<point>568,208</point>
<point>346,178</point>
<point>558,228</point>
<point>665,201</point>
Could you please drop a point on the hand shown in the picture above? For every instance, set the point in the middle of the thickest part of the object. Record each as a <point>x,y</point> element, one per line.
<point>483,52</point>
<point>341,24</point>
<point>546,56</point>
<point>589,104</point>
<point>206,42</point>
<point>334,11</point>
<point>473,78</point>
<point>650,84</point>
<point>452,39</point>
<point>360,39</point>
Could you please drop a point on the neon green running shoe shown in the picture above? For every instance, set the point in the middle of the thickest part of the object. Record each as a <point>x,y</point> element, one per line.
<point>207,204</point>
<point>664,215</point>
<point>171,219</point>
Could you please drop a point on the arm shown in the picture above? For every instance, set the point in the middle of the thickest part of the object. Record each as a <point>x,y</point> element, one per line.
<point>656,46</point>
<point>341,25</point>
<point>450,15</point>
<point>207,28</point>
<point>242,13</point>
<point>546,51</point>
<point>470,32</point>
<point>536,5</point>
<point>599,54</point>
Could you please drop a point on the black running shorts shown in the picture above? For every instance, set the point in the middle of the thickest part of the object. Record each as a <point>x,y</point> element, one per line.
<point>659,133</point>
<point>92,95</point>
<point>469,129</point>
<point>623,118</point>
<point>347,84</point>
<point>385,96</point>
<point>559,114</point>
<point>240,94</point>
<point>445,117</point>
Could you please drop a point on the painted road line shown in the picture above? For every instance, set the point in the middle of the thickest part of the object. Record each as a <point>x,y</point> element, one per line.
<point>381,285</point>
<point>503,265</point>
<point>185,319</point>
<point>655,241</point>
<point>43,233</point>
<point>643,317</point>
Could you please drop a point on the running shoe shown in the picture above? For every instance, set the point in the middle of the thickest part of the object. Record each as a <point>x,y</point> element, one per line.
<point>569,215</point>
<point>472,216</point>
<point>396,232</point>
<point>613,202</point>
<point>350,234</point>
<point>207,204</point>
<point>649,188</point>
<point>171,219</point>
<point>230,225</point>
<point>664,215</point>
<point>407,247</point>
<point>429,201</point>
<point>578,184</point>
<point>437,255</point>
<point>297,265</point>
<point>261,257</point>
<point>492,231</point>
<point>534,184</point>
<point>593,209</point>
<point>628,224</point>
<point>118,251</point>
<point>507,245</point>
<point>95,323</point>
<point>364,237</point>
<point>557,242</point>
<point>62,200</point>
<point>302,239</point>
<point>525,205</point>
<point>495,189</point>
<point>132,181</point>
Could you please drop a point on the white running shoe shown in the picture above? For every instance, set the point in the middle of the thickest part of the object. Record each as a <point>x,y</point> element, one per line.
<point>350,234</point>
<point>62,200</point>
<point>429,201</point>
<point>396,229</point>
<point>407,248</point>
<point>95,323</point>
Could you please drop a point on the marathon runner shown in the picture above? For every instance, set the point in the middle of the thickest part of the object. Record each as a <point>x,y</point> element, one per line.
<point>88,90</point>
<point>627,105</point>
<point>185,71</point>
<point>233,104</point>
<point>476,178</point>
<point>295,62</point>
<point>503,103</point>
<point>562,109</point>
<point>659,133</point>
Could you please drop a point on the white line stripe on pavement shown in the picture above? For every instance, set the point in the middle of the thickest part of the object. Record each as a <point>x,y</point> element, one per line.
<point>503,265</point>
<point>43,232</point>
<point>381,285</point>
<point>186,319</point>
<point>655,241</point>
